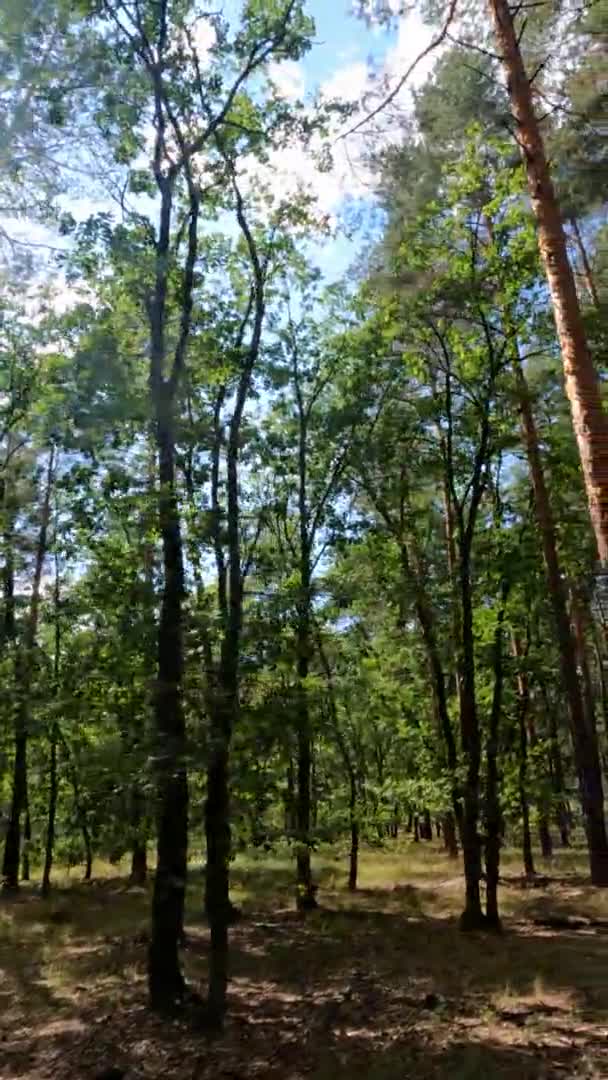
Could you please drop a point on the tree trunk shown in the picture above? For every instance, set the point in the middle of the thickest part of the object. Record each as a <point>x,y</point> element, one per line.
<point>523,706</point>
<point>428,825</point>
<point>580,622</point>
<point>27,839</point>
<point>586,265</point>
<point>217,882</point>
<point>289,800</point>
<point>12,842</point>
<point>305,894</point>
<point>472,917</point>
<point>165,980</point>
<point>52,813</point>
<point>544,835</point>
<point>450,835</point>
<point>353,866</point>
<point>24,664</point>
<point>425,616</point>
<point>88,850</point>
<point>416,829</point>
<point>139,846</point>
<point>582,387</point>
<point>493,816</point>
<point>586,757</point>
<point>139,863</point>
<point>305,889</point>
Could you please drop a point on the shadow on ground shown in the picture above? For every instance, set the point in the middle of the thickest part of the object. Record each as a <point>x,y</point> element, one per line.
<point>370,986</point>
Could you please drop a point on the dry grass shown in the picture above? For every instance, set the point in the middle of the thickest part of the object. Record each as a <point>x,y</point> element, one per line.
<point>380,985</point>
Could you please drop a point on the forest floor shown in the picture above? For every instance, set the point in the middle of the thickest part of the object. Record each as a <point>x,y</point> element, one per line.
<point>378,985</point>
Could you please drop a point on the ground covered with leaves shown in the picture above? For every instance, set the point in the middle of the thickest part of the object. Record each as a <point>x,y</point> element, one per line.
<point>380,985</point>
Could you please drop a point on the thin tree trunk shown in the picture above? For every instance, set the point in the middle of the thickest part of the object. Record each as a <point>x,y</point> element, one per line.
<point>225,712</point>
<point>544,831</point>
<point>580,622</point>
<point>557,772</point>
<point>289,799</point>
<point>493,816</point>
<point>27,839</point>
<point>353,865</point>
<point>523,705</point>
<point>165,980</point>
<point>52,812</point>
<point>589,420</point>
<point>544,835</point>
<point>586,265</point>
<point>139,863</point>
<point>24,664</point>
<point>586,757</point>
<point>88,850</point>
<point>350,768</point>
<point>305,894</point>
<point>53,739</point>
<point>472,917</point>
<point>305,890</point>
<point>425,616</point>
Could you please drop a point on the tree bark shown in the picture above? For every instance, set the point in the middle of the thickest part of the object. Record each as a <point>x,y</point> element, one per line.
<point>165,980</point>
<point>305,889</point>
<point>353,864</point>
<point>586,756</point>
<point>225,694</point>
<point>557,773</point>
<point>450,835</point>
<point>51,814</point>
<point>24,663</point>
<point>472,917</point>
<point>589,420</point>
<point>414,574</point>
<point>544,835</point>
<point>493,816</point>
<point>27,839</point>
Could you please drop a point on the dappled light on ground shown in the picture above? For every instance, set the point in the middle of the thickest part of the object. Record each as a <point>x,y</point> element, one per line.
<point>380,984</point>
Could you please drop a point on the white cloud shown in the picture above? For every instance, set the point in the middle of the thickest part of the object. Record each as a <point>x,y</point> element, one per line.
<point>295,167</point>
<point>204,37</point>
<point>348,83</point>
<point>288,77</point>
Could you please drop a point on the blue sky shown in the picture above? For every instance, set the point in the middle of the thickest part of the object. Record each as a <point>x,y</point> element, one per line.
<point>344,53</point>
<point>341,39</point>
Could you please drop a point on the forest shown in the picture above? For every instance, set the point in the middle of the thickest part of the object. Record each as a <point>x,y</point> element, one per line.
<point>303,539</point>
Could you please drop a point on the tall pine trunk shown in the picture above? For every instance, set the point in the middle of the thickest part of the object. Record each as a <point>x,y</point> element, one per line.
<point>589,420</point>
